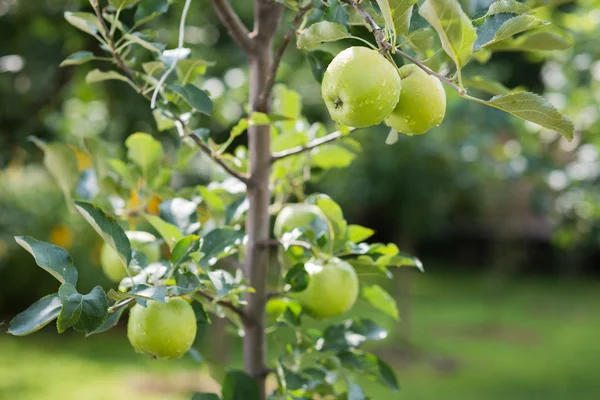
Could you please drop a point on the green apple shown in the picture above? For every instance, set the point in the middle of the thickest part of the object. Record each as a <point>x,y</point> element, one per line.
<point>162,330</point>
<point>332,289</point>
<point>360,87</point>
<point>300,215</point>
<point>142,241</point>
<point>422,103</point>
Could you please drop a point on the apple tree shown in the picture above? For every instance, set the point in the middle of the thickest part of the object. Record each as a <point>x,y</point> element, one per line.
<point>383,61</point>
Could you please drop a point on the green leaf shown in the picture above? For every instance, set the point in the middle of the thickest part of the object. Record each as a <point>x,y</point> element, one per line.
<point>184,248</point>
<point>185,282</point>
<point>369,365</point>
<point>62,164</point>
<point>111,321</point>
<point>200,313</point>
<point>36,316</point>
<point>336,12</point>
<point>205,396</point>
<point>239,386</point>
<point>53,259</point>
<point>534,108</point>
<point>355,392</point>
<point>538,41</point>
<point>321,32</point>
<point>84,21</point>
<point>453,26</point>
<point>150,9</point>
<point>163,122</point>
<point>195,97</point>
<point>85,313</point>
<point>136,38</point>
<point>122,3</point>
<point>350,335</point>
<point>145,152</point>
<point>297,278</point>
<point>157,293</point>
<point>77,58</point>
<point>331,156</point>
<point>357,233</point>
<point>107,228</point>
<point>180,212</point>
<point>189,70</point>
<point>319,61</point>
<point>219,243</point>
<point>332,211</point>
<point>386,11</point>
<point>96,75</point>
<point>513,26</point>
<point>223,282</point>
<point>168,231</point>
<point>486,85</point>
<point>507,6</point>
<point>381,300</point>
<point>401,11</point>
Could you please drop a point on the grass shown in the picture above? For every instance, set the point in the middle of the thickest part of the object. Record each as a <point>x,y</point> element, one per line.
<point>532,340</point>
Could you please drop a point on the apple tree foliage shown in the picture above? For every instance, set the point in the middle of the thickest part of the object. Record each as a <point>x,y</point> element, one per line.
<point>205,228</point>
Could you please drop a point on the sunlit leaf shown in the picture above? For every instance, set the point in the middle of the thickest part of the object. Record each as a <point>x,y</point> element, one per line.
<point>453,26</point>
<point>381,300</point>
<point>320,32</point>
<point>168,231</point>
<point>146,152</point>
<point>84,21</point>
<point>77,58</point>
<point>96,75</point>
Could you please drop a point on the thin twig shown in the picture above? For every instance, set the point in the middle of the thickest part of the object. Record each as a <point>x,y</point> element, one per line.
<point>262,100</point>
<point>384,45</point>
<point>224,303</point>
<point>311,145</point>
<point>116,306</point>
<point>235,27</point>
<point>111,44</point>
<point>216,158</point>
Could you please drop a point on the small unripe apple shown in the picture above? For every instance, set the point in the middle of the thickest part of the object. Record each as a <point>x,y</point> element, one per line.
<point>142,241</point>
<point>360,87</point>
<point>422,103</point>
<point>162,330</point>
<point>300,215</point>
<point>332,288</point>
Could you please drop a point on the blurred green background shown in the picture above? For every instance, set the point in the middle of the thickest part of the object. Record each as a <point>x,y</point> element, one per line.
<point>503,214</point>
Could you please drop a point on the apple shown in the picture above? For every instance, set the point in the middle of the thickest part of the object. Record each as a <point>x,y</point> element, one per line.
<point>360,87</point>
<point>299,215</point>
<point>162,330</point>
<point>422,103</point>
<point>332,289</point>
<point>142,241</point>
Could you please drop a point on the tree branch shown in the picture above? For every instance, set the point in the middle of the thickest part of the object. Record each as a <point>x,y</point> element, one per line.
<point>311,145</point>
<point>235,27</point>
<point>111,44</point>
<point>386,46</point>
<point>262,100</point>
<point>216,158</point>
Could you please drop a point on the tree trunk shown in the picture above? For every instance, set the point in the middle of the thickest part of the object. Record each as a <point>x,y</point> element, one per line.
<point>266,16</point>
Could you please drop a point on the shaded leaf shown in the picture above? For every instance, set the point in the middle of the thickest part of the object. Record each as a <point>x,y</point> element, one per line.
<point>350,335</point>
<point>239,386</point>
<point>53,259</point>
<point>150,9</point>
<point>223,282</point>
<point>185,282</point>
<point>219,243</point>
<point>486,85</point>
<point>319,61</point>
<point>195,97</point>
<point>538,41</point>
<point>297,278</point>
<point>36,316</point>
<point>85,313</point>
<point>107,228</point>
<point>96,75</point>
<point>369,365</point>
<point>111,321</point>
<point>184,248</point>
